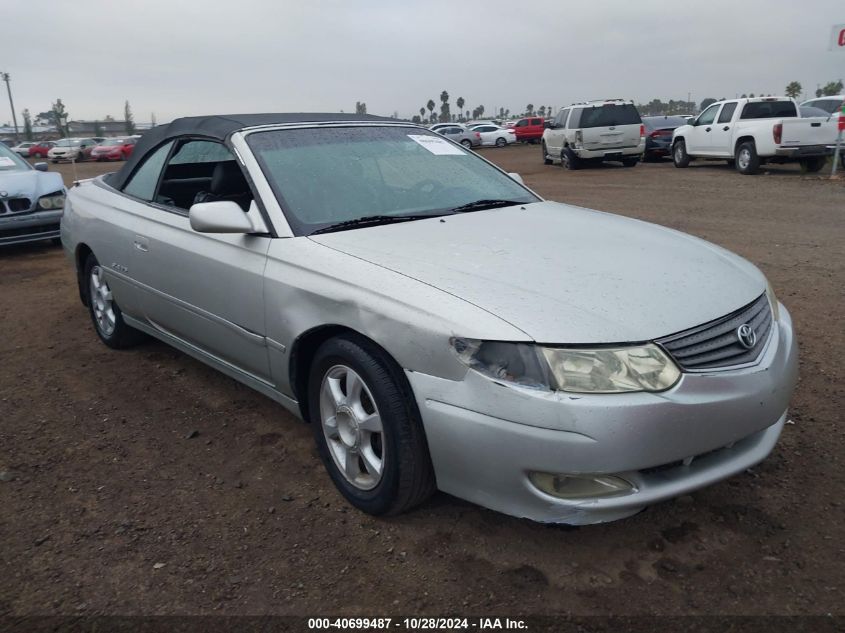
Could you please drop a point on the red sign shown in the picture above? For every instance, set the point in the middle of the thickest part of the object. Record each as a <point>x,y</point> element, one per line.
<point>842,37</point>
<point>837,37</point>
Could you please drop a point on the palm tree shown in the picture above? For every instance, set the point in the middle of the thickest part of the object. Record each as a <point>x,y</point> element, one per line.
<point>422,113</point>
<point>460,103</point>
<point>529,109</point>
<point>430,106</point>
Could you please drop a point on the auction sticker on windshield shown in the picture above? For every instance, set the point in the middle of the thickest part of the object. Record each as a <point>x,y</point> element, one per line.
<point>5,161</point>
<point>435,145</point>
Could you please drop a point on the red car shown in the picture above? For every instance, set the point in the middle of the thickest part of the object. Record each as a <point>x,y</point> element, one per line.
<point>40,149</point>
<point>529,129</point>
<point>114,149</point>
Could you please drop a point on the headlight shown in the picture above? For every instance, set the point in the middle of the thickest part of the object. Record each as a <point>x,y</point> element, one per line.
<point>773,301</point>
<point>599,370</point>
<point>55,200</point>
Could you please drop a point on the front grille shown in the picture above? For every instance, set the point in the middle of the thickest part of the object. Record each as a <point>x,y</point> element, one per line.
<point>717,344</point>
<point>29,230</point>
<point>18,204</point>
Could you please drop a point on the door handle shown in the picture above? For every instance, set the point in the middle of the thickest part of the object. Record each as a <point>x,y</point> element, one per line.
<point>726,128</point>
<point>142,244</point>
<point>707,129</point>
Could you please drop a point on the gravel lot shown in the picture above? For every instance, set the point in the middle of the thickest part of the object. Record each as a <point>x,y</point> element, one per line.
<point>142,482</point>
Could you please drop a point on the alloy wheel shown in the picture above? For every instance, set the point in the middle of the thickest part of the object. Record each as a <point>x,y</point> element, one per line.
<point>352,427</point>
<point>102,302</point>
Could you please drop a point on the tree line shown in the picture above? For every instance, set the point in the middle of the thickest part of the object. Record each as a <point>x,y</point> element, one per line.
<point>57,116</point>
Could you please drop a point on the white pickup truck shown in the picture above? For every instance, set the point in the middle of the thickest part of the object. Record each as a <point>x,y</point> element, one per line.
<point>751,132</point>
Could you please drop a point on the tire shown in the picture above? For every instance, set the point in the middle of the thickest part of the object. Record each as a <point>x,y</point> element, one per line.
<point>54,160</point>
<point>630,162</point>
<point>500,142</point>
<point>466,143</point>
<point>546,159</point>
<point>104,311</point>
<point>568,160</point>
<point>812,165</point>
<point>679,154</point>
<point>747,161</point>
<point>397,445</point>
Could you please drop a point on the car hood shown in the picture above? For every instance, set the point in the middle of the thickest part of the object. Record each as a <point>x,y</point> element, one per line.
<point>29,184</point>
<point>564,274</point>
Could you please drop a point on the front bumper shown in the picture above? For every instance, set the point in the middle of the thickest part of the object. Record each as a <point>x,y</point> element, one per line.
<point>484,438</point>
<point>29,227</point>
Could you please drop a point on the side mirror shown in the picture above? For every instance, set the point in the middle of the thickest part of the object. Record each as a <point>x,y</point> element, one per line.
<point>222,216</point>
<point>516,177</point>
<point>40,166</point>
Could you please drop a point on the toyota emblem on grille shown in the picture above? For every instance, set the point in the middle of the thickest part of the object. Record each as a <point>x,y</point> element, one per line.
<point>746,336</point>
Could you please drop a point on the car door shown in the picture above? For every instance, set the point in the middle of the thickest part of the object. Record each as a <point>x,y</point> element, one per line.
<point>699,139</point>
<point>554,138</point>
<point>204,289</point>
<point>721,136</point>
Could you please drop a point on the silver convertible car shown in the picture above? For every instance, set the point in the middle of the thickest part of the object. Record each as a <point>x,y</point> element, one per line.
<point>438,324</point>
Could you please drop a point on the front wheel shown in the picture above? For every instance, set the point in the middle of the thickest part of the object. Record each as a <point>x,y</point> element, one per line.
<point>747,160</point>
<point>105,313</point>
<point>500,142</point>
<point>546,159</point>
<point>679,154</point>
<point>367,428</point>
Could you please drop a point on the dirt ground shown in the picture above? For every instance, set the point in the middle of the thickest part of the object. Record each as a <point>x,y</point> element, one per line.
<point>143,482</point>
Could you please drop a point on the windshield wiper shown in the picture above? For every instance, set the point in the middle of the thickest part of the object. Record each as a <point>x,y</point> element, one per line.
<point>371,220</point>
<point>480,205</point>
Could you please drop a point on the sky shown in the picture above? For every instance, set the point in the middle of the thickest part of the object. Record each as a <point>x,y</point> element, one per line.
<point>191,57</point>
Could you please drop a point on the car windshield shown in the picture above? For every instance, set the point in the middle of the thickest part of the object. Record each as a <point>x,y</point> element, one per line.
<point>113,141</point>
<point>10,161</point>
<point>67,142</point>
<point>324,176</point>
<point>609,114</point>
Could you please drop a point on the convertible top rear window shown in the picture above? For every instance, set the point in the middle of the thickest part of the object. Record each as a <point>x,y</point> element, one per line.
<point>326,175</point>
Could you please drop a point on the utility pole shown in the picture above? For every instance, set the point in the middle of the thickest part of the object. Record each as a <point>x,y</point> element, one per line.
<point>5,77</point>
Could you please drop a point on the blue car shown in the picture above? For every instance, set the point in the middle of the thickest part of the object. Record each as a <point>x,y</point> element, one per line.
<point>658,135</point>
<point>31,201</point>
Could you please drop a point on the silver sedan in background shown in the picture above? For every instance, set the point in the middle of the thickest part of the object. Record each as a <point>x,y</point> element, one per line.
<point>461,135</point>
<point>437,323</point>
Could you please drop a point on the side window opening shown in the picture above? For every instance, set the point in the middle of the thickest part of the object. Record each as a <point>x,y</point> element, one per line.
<point>202,171</point>
<point>142,183</point>
<point>727,112</point>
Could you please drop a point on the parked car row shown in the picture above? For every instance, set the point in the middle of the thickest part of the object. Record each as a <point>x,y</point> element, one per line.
<point>746,132</point>
<point>476,133</point>
<point>78,149</point>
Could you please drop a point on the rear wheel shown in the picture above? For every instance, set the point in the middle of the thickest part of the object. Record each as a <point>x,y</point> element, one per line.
<point>105,313</point>
<point>679,154</point>
<point>630,162</point>
<point>466,143</point>
<point>501,142</point>
<point>747,161</point>
<point>367,428</point>
<point>812,165</point>
<point>568,160</point>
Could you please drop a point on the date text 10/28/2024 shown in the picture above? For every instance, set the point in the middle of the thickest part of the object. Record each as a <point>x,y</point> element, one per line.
<point>417,624</point>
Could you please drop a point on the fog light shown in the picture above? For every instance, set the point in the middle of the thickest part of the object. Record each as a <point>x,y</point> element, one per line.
<point>580,486</point>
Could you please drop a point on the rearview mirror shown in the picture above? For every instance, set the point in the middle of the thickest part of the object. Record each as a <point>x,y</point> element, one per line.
<point>222,216</point>
<point>516,177</point>
<point>40,166</point>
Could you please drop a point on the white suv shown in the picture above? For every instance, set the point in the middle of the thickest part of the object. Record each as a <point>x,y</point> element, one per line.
<point>610,129</point>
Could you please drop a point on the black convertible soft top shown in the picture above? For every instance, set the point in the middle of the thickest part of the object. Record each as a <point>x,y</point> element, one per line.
<point>218,127</point>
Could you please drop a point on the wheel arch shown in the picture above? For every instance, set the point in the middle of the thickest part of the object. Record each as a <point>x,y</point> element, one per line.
<point>80,255</point>
<point>305,347</point>
<point>743,139</point>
